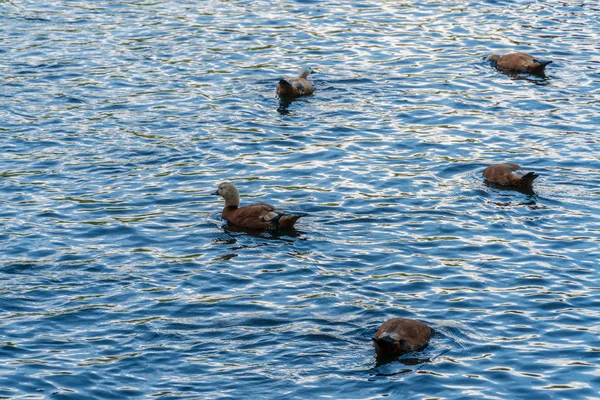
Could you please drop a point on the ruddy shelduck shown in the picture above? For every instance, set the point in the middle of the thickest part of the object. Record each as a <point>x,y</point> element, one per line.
<point>296,87</point>
<point>509,174</point>
<point>401,335</point>
<point>519,62</point>
<point>253,216</point>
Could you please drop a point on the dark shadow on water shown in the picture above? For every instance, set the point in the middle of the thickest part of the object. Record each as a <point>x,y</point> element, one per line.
<point>525,190</point>
<point>388,363</point>
<point>402,371</point>
<point>538,79</point>
<point>284,104</point>
<point>280,234</point>
<point>226,257</point>
<point>409,361</point>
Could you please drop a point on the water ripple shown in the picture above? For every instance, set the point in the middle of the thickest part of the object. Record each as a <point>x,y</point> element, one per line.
<point>120,279</point>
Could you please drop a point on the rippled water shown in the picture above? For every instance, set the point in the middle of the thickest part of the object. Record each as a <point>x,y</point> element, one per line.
<point>118,118</point>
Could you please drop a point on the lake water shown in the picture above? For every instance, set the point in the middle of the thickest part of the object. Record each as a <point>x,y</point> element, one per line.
<point>119,280</point>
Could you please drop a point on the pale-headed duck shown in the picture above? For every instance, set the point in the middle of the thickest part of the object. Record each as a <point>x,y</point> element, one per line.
<point>253,216</point>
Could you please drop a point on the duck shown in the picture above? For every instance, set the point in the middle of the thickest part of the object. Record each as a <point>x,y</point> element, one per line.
<point>519,62</point>
<point>400,335</point>
<point>509,174</point>
<point>259,216</point>
<point>296,87</point>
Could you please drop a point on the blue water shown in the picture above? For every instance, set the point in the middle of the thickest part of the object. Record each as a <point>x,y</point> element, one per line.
<point>119,280</point>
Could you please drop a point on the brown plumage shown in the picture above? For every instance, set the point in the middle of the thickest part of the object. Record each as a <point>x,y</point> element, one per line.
<point>400,335</point>
<point>519,62</point>
<point>296,87</point>
<point>253,216</point>
<point>509,175</point>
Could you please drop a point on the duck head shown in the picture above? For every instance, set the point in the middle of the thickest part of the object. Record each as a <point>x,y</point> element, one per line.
<point>306,71</point>
<point>230,193</point>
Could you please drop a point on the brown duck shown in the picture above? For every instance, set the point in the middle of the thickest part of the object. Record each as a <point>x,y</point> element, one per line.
<point>253,216</point>
<point>400,335</point>
<point>509,175</point>
<point>296,87</point>
<point>519,62</point>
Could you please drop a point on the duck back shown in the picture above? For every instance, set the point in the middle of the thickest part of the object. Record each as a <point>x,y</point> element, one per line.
<point>509,174</point>
<point>399,335</point>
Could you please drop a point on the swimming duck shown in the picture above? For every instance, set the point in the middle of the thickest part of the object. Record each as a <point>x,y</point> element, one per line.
<point>253,216</point>
<point>296,87</point>
<point>400,335</point>
<point>519,62</point>
<point>509,175</point>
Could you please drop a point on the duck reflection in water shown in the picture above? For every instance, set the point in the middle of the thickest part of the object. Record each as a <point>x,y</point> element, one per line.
<point>236,239</point>
<point>408,361</point>
<point>284,104</point>
<point>525,190</point>
<point>284,234</point>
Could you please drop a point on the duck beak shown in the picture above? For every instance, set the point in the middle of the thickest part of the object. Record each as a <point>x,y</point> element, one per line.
<point>216,193</point>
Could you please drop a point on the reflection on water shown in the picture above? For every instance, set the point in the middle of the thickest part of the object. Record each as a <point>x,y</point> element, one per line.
<point>119,279</point>
<point>411,361</point>
<point>525,190</point>
<point>284,104</point>
<point>280,234</point>
<point>540,79</point>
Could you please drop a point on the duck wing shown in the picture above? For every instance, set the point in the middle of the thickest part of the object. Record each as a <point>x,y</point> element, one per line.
<point>262,216</point>
<point>294,87</point>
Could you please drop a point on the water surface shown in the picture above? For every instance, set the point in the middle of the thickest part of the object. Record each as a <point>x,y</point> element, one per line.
<point>119,118</point>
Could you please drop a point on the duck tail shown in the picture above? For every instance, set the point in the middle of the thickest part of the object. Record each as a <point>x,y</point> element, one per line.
<point>528,178</point>
<point>288,220</point>
<point>284,83</point>
<point>541,65</point>
<point>284,88</point>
